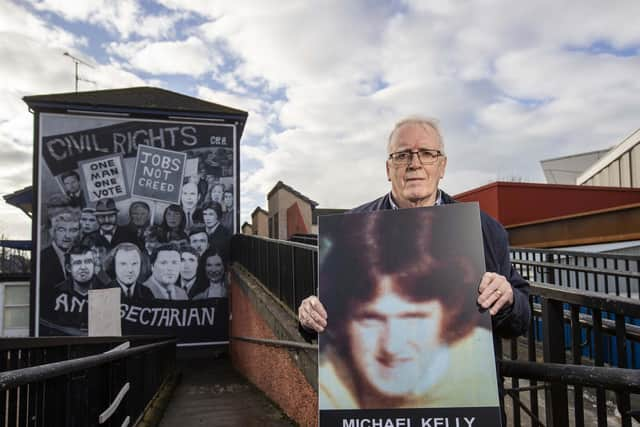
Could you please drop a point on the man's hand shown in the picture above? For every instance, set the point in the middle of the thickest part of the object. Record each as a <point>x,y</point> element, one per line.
<point>495,293</point>
<point>312,314</point>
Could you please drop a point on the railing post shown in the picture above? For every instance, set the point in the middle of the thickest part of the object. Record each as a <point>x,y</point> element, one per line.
<point>553,346</point>
<point>549,272</point>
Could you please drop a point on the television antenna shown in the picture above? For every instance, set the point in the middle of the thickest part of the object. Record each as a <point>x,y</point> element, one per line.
<point>78,61</point>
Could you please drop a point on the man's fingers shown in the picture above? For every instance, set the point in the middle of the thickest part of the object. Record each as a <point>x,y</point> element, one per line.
<point>318,307</point>
<point>488,298</point>
<point>498,304</point>
<point>495,292</point>
<point>312,314</point>
<point>487,278</point>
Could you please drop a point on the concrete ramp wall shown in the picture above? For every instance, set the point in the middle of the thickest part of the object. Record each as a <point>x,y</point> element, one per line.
<point>287,376</point>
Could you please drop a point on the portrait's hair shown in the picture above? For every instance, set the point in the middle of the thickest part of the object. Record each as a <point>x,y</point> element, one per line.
<point>198,228</point>
<point>177,209</point>
<point>66,175</point>
<point>139,203</point>
<point>65,215</point>
<point>110,260</point>
<point>94,240</point>
<point>79,249</point>
<point>217,207</point>
<point>167,247</point>
<point>154,232</point>
<point>173,235</point>
<point>60,205</point>
<point>188,249</point>
<point>367,249</point>
<point>424,122</point>
<point>217,184</point>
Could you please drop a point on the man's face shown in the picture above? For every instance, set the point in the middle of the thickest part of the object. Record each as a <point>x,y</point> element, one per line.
<point>139,215</point>
<point>88,222</point>
<point>228,199</point>
<point>81,267</point>
<point>209,217</point>
<point>415,183</point>
<point>214,268</point>
<point>65,233</point>
<point>107,222</point>
<point>71,184</point>
<point>189,196</point>
<point>127,265</point>
<point>393,340</point>
<point>199,242</point>
<point>167,267</point>
<point>189,265</point>
<point>216,193</point>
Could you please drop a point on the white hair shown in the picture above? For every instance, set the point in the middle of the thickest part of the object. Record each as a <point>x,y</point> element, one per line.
<point>424,122</point>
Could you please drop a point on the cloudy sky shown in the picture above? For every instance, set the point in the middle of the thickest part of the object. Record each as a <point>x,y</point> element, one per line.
<point>511,82</point>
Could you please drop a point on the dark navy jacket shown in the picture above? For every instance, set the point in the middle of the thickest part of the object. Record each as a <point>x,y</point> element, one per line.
<point>514,320</point>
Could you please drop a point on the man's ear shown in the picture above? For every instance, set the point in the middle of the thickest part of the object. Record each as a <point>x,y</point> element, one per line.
<point>387,167</point>
<point>444,167</point>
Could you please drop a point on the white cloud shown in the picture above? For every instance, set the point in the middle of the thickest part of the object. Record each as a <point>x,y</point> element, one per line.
<point>123,17</point>
<point>261,113</point>
<point>323,85</point>
<point>187,57</point>
<point>15,20</point>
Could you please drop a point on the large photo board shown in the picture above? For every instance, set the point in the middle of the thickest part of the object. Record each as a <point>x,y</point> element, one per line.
<point>144,206</point>
<point>406,344</point>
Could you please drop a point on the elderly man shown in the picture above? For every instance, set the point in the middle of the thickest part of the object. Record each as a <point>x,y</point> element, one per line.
<point>64,233</point>
<point>415,165</point>
<point>165,271</point>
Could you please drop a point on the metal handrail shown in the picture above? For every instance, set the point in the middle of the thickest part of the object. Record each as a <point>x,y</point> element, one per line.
<point>611,378</point>
<point>605,302</point>
<point>283,242</point>
<point>21,343</point>
<point>574,253</point>
<point>277,343</point>
<point>582,269</point>
<point>17,377</point>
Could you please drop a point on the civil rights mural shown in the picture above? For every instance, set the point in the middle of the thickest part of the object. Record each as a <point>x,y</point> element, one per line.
<point>148,207</point>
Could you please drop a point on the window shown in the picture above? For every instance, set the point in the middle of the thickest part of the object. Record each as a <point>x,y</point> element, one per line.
<point>15,313</point>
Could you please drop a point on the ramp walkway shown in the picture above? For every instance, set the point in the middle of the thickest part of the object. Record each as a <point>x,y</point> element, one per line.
<point>212,393</point>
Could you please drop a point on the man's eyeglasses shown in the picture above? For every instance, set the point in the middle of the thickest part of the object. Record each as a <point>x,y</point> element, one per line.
<point>426,157</point>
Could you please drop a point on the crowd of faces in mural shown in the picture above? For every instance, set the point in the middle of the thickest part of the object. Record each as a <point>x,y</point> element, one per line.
<point>150,250</point>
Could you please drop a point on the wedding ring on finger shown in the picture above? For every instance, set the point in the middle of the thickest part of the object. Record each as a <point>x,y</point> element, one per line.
<point>498,292</point>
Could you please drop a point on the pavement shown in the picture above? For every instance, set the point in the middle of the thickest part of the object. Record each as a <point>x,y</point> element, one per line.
<point>212,393</point>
